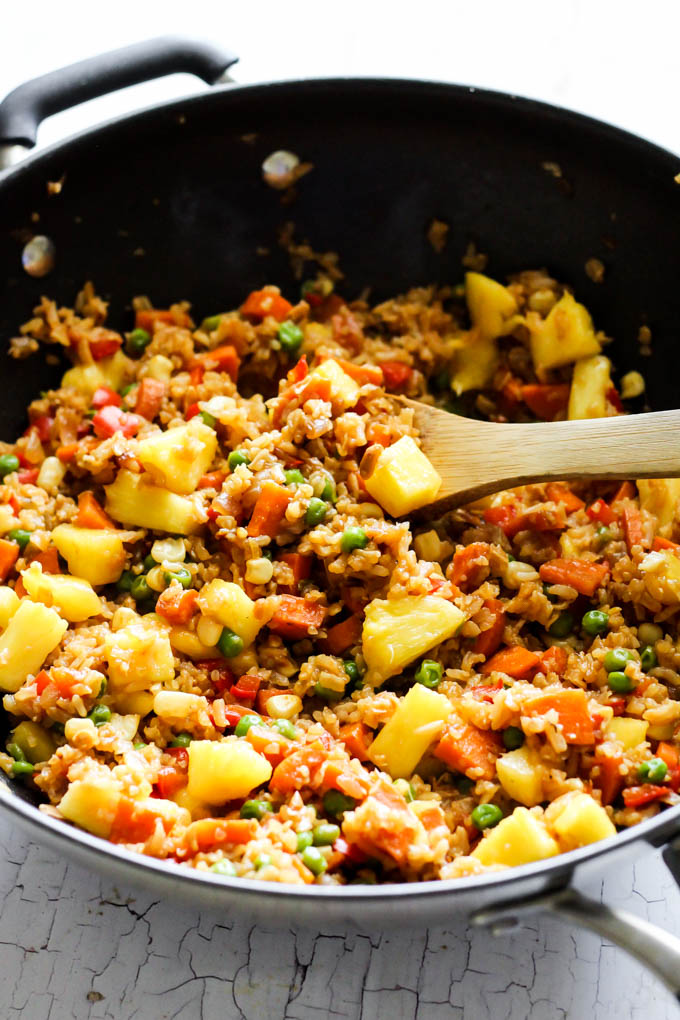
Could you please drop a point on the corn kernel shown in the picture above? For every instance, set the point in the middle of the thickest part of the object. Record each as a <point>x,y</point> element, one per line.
<point>259,571</point>
<point>208,631</point>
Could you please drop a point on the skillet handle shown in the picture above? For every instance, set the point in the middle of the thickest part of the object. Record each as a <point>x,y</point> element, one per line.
<point>657,949</point>
<point>26,106</point>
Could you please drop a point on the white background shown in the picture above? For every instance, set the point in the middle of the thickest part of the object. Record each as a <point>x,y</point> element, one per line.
<point>66,934</point>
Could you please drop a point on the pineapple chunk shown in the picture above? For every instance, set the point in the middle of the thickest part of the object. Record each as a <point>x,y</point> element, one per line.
<point>138,657</point>
<point>399,630</point>
<point>117,370</point>
<point>660,497</point>
<point>565,335</point>
<point>7,518</point>
<point>94,554</point>
<point>84,378</point>
<point>661,573</point>
<point>32,633</point>
<point>175,706</point>
<point>135,500</point>
<point>476,363</point>
<point>589,385</point>
<point>490,305</point>
<point>344,390</point>
<point>74,598</point>
<point>579,820</point>
<point>223,771</point>
<point>92,805</point>
<point>225,602</point>
<point>9,603</point>
<point>177,458</point>
<point>36,742</point>
<point>157,367</point>
<point>520,776</point>
<point>628,732</point>
<point>405,738</point>
<point>138,703</point>
<point>196,808</point>
<point>124,726</point>
<point>403,478</point>
<point>169,811</point>
<point>188,643</point>
<point>519,839</point>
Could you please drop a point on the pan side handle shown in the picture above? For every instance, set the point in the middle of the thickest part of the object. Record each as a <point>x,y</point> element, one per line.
<point>22,111</point>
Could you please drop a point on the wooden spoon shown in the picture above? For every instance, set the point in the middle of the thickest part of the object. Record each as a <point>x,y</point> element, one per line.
<point>476,458</point>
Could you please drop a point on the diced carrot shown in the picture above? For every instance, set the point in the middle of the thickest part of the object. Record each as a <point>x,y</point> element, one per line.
<point>554,660</point>
<point>638,796</point>
<point>660,543</point>
<point>378,432</point>
<point>361,374</point>
<point>298,769</point>
<point>546,400</point>
<point>105,396</point>
<point>514,661</point>
<point>584,576</point>
<point>396,374</point>
<point>41,681</point>
<point>9,554</point>
<point>295,617</point>
<point>263,697</point>
<point>111,419</point>
<point>90,513</point>
<point>512,389</point>
<point>601,511</point>
<point>103,342</point>
<point>170,781</point>
<point>432,817</point>
<point>150,394</point>
<point>149,318</point>
<point>211,480</point>
<point>314,388</point>
<point>541,518</point>
<point>210,833</point>
<point>224,359</point>
<point>64,682</point>
<point>19,589</point>
<point>335,775</point>
<point>563,494</point>
<point>261,303</point>
<point>467,749</point>
<point>196,373</point>
<point>247,686</point>
<point>611,780</point>
<point>343,635</point>
<point>671,756</point>
<point>625,491</point>
<point>469,566</point>
<point>134,823</point>
<point>177,605</point>
<point>571,706</point>
<point>299,371</point>
<point>300,565</point>
<point>356,738</point>
<point>68,452</point>
<point>389,827</point>
<point>633,527</point>
<point>505,516</point>
<point>269,511</point>
<point>487,641</point>
<point>347,853</point>
<point>48,560</point>
<point>269,743</point>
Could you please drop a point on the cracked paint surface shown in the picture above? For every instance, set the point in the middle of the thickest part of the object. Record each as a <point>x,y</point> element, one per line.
<point>75,946</point>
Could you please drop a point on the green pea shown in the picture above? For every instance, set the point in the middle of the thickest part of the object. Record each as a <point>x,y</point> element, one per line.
<point>224,868</point>
<point>654,770</point>
<point>294,477</point>
<point>325,834</point>
<point>125,581</point>
<point>103,687</point>
<point>327,693</point>
<point>620,683</point>
<point>649,633</point>
<point>262,861</point>
<point>595,622</point>
<point>429,674</point>
<point>405,789</point>
<point>208,419</point>
<point>285,728</point>
<point>352,670</point>
<point>244,724</point>
<point>139,745</point>
<point>513,737</point>
<point>138,340</point>
<point>181,740</point>
<point>328,492</point>
<point>616,659</point>
<point>16,752</point>
<point>563,625</point>
<point>304,840</point>
<point>336,803</point>
<point>180,574</point>
<point>100,714</point>
<point>255,809</point>
<point>139,589</point>
<point>211,323</point>
<point>603,535</point>
<point>441,381</point>
<point>316,511</point>
<point>485,816</point>
<point>8,464</point>
<point>21,537</point>
<point>236,458</point>
<point>149,562</point>
<point>230,644</point>
<point>124,390</point>
<point>353,538</point>
<point>267,553</point>
<point>648,659</point>
<point>290,337</point>
<point>22,768</point>
<point>313,859</point>
<point>546,592</point>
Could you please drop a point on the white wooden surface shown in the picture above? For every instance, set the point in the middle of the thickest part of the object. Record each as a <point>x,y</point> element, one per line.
<point>72,945</point>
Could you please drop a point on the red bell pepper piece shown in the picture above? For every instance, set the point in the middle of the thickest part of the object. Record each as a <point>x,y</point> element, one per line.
<point>111,419</point>
<point>104,396</point>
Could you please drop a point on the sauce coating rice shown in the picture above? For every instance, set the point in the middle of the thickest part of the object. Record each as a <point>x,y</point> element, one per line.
<point>222,644</point>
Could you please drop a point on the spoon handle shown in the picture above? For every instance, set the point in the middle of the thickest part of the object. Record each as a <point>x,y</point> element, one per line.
<point>477,458</point>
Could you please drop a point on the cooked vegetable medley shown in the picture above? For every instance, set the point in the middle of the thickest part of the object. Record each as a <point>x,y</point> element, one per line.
<point>222,644</point>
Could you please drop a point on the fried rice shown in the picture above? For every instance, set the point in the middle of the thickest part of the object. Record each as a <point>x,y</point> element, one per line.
<point>225,644</point>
